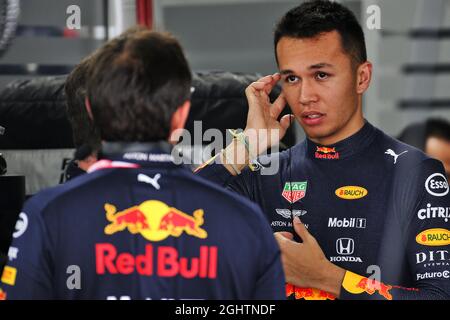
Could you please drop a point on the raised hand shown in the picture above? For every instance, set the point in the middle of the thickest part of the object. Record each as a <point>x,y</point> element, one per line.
<point>262,118</point>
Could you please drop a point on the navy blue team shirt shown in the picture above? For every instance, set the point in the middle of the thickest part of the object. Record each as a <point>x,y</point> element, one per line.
<point>139,226</point>
<point>376,206</point>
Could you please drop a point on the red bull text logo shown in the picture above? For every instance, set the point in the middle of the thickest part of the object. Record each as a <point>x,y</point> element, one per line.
<point>155,221</point>
<point>326,153</point>
<point>168,262</point>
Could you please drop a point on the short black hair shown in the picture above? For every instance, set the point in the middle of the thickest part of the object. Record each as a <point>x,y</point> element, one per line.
<point>84,131</point>
<point>136,85</point>
<point>438,128</point>
<point>417,134</point>
<point>312,18</point>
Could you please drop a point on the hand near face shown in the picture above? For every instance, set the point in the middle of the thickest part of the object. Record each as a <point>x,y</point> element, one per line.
<point>263,115</point>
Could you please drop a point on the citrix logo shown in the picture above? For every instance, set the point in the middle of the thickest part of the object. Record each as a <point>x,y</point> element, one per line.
<point>434,212</point>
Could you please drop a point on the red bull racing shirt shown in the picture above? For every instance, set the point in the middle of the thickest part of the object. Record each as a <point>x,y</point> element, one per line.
<point>377,207</point>
<point>139,226</point>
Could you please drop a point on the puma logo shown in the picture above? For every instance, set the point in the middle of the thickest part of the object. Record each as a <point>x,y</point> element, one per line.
<point>153,181</point>
<point>392,153</point>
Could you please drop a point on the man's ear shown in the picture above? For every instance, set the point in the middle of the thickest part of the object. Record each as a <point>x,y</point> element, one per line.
<point>363,77</point>
<point>179,120</point>
<point>86,163</point>
<point>87,105</point>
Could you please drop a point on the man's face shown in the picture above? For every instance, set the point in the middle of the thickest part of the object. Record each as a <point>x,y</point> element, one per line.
<point>322,88</point>
<point>439,148</point>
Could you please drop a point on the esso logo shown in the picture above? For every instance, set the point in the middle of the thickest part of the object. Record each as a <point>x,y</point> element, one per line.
<point>437,185</point>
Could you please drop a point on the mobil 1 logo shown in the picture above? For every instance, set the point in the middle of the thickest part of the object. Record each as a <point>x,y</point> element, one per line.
<point>359,223</point>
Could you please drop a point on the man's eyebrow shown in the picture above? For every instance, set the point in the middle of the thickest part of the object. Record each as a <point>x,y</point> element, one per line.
<point>287,71</point>
<point>320,65</point>
<point>312,67</point>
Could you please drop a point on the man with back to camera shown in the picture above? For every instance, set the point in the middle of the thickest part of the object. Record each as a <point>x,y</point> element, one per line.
<point>86,137</point>
<point>138,225</point>
<point>369,204</point>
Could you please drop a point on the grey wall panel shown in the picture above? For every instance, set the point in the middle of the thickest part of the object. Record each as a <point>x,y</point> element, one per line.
<point>53,12</point>
<point>52,50</point>
<point>397,14</point>
<point>391,87</point>
<point>49,50</point>
<point>234,37</point>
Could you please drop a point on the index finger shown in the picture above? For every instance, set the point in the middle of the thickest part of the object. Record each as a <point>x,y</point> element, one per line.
<point>271,81</point>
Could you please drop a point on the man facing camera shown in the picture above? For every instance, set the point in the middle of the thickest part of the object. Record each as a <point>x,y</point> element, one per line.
<point>349,202</point>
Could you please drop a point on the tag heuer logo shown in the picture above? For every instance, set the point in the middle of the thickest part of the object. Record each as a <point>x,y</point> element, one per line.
<point>294,191</point>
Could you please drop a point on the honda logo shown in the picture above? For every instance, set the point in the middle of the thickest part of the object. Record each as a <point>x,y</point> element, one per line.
<point>345,246</point>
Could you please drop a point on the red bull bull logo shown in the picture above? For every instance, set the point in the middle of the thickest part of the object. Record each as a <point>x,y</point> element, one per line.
<point>326,153</point>
<point>155,221</point>
<point>326,150</point>
<point>372,286</point>
<point>133,219</point>
<point>356,284</point>
<point>2,295</point>
<point>175,222</point>
<point>290,289</point>
<point>307,293</point>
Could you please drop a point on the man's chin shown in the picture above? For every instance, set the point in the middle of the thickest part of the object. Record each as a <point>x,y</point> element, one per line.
<point>315,134</point>
<point>319,136</point>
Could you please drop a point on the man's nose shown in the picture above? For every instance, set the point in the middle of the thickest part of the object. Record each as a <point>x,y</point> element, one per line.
<point>307,93</point>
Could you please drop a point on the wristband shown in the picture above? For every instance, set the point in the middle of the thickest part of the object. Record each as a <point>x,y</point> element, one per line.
<point>232,165</point>
<point>242,138</point>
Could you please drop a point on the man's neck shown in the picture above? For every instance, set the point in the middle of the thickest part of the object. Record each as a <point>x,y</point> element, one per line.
<point>349,130</point>
<point>335,138</point>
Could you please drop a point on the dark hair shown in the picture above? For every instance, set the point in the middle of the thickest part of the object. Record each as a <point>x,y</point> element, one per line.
<point>85,134</point>
<point>417,134</point>
<point>312,18</point>
<point>438,128</point>
<point>83,130</point>
<point>136,85</point>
